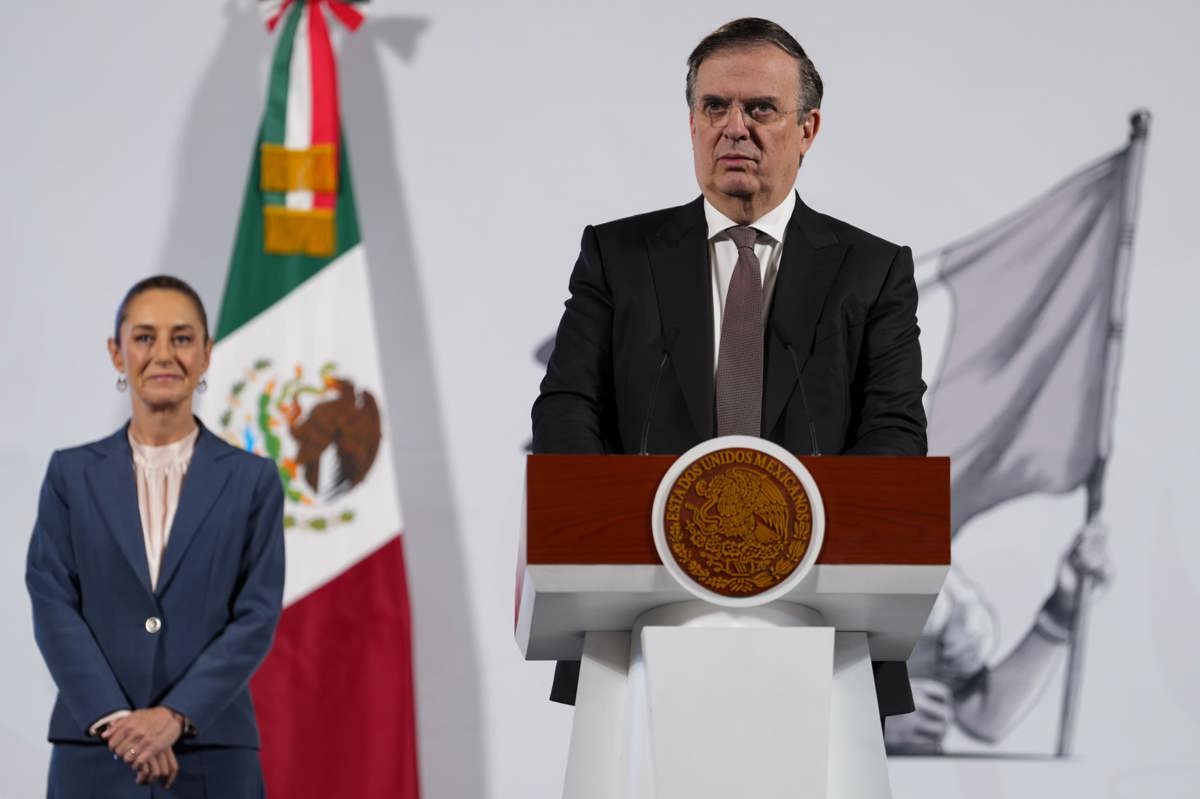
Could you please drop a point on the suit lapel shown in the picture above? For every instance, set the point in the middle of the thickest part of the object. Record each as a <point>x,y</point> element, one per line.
<point>678,255</point>
<point>112,482</point>
<point>812,256</point>
<point>202,486</point>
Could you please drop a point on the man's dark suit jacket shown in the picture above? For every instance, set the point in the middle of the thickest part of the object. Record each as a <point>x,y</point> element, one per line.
<point>845,300</point>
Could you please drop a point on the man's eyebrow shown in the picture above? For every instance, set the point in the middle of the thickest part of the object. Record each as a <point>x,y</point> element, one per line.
<point>748,101</point>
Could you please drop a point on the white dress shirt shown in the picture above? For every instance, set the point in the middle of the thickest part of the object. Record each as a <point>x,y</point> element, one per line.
<point>722,257</point>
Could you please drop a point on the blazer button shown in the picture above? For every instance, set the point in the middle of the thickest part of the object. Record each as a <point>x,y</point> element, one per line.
<point>153,624</point>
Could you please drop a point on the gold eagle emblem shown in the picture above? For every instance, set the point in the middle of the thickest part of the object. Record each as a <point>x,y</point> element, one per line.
<point>738,521</point>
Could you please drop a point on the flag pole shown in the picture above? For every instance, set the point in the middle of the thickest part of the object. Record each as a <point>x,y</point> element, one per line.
<point>1139,129</point>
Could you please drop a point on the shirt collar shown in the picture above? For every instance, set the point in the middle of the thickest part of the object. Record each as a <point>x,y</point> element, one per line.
<point>773,223</point>
<point>177,453</point>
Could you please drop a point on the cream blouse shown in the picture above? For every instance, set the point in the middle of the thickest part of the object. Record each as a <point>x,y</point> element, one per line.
<point>159,472</point>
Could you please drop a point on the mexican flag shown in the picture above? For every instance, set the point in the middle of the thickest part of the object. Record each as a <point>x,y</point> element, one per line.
<point>296,378</point>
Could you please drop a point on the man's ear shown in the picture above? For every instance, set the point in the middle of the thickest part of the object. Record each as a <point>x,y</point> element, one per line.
<point>810,126</point>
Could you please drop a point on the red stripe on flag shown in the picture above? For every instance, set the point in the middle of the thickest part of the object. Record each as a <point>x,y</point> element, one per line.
<point>334,698</point>
<point>350,17</point>
<point>324,89</point>
<point>278,15</point>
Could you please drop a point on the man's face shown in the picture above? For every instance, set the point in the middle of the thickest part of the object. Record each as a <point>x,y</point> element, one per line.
<point>745,168</point>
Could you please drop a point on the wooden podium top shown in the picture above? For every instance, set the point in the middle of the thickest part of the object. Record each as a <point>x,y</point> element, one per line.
<point>587,509</point>
<point>588,562</point>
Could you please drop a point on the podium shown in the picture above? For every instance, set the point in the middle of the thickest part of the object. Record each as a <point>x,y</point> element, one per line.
<point>682,698</point>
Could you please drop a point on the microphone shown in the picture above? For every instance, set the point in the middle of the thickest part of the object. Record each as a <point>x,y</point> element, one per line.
<point>667,341</point>
<point>782,335</point>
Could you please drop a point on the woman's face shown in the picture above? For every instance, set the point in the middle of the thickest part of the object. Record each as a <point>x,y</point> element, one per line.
<point>163,350</point>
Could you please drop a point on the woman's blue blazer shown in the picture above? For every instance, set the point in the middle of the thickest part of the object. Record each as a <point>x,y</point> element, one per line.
<point>218,599</point>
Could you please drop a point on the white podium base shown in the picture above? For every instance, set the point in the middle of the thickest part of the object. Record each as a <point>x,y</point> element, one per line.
<point>763,702</point>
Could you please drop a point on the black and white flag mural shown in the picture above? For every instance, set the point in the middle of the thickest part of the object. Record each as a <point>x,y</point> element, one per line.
<point>1022,400</point>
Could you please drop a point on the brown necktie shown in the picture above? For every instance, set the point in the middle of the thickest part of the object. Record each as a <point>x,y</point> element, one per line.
<point>740,359</point>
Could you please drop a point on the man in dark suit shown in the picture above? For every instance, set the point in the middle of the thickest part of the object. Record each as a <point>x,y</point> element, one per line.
<point>708,311</point>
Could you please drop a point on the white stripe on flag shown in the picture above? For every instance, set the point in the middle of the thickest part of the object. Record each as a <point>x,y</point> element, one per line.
<point>298,130</point>
<point>327,319</point>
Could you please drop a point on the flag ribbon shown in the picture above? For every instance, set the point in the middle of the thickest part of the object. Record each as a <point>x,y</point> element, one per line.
<point>272,10</point>
<point>301,135</point>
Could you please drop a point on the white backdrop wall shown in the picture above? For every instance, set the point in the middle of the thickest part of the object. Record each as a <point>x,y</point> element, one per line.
<point>483,137</point>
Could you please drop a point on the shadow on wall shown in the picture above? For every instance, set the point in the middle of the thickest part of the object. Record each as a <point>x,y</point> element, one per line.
<point>447,663</point>
<point>214,154</point>
<point>218,141</point>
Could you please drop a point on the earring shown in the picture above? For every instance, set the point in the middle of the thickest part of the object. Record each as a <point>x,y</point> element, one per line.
<point>122,383</point>
<point>202,386</point>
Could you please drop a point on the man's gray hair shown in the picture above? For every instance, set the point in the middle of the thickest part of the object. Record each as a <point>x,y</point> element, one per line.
<point>748,32</point>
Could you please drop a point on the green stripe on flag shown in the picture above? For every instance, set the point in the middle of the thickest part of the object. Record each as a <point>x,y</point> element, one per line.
<point>257,280</point>
<point>274,124</point>
<point>275,119</point>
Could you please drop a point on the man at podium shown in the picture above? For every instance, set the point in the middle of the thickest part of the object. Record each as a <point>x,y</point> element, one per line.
<point>743,311</point>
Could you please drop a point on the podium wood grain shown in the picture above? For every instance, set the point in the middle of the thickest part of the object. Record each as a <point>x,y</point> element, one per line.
<point>584,509</point>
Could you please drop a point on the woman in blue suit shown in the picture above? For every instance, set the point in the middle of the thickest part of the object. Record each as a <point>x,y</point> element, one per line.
<point>155,572</point>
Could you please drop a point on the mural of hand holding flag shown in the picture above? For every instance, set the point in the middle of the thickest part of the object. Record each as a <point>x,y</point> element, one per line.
<point>955,685</point>
<point>1023,403</point>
